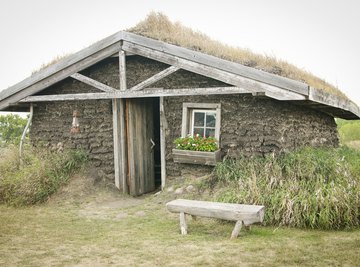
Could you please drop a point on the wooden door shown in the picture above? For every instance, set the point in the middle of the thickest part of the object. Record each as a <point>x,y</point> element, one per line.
<point>140,131</point>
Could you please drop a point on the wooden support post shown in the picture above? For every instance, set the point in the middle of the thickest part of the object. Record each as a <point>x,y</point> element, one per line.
<point>119,130</point>
<point>236,230</point>
<point>183,226</point>
<point>163,126</point>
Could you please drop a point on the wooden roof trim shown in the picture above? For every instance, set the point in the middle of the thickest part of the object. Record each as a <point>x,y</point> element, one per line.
<point>70,60</point>
<point>319,96</point>
<point>219,63</point>
<point>150,92</point>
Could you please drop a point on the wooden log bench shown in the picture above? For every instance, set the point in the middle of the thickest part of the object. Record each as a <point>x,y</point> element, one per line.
<point>242,214</point>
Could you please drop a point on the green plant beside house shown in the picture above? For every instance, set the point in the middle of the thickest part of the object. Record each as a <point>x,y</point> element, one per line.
<point>196,143</point>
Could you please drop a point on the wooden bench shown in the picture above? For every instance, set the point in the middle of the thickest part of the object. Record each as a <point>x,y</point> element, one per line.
<point>242,214</point>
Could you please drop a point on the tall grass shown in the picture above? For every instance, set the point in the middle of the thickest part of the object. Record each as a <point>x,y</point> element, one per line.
<point>158,26</point>
<point>308,188</point>
<point>41,175</point>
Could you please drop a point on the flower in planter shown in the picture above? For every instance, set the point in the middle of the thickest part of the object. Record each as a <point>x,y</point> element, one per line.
<point>196,143</point>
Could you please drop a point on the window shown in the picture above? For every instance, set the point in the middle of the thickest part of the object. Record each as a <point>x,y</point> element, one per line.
<point>202,119</point>
<point>203,123</point>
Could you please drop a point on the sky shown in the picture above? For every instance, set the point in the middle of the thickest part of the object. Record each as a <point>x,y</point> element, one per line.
<point>320,36</point>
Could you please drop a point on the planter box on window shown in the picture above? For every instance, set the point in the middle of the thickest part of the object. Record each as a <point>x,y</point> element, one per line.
<point>196,157</point>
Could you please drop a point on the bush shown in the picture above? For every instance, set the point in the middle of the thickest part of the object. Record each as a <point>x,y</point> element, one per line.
<point>41,175</point>
<point>197,143</point>
<point>308,188</point>
<point>11,128</point>
<point>349,132</point>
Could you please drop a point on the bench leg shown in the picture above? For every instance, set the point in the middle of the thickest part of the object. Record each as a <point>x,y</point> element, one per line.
<point>183,226</point>
<point>236,230</point>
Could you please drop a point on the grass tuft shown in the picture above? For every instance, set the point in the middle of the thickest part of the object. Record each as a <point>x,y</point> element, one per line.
<point>308,188</point>
<point>41,175</point>
<point>158,26</point>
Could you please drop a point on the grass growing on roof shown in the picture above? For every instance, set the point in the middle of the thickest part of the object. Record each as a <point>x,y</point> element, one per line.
<point>158,26</point>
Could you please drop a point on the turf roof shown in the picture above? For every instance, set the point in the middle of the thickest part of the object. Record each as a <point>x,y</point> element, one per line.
<point>159,27</point>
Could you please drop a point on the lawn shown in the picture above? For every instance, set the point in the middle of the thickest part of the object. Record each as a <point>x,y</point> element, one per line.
<point>109,229</point>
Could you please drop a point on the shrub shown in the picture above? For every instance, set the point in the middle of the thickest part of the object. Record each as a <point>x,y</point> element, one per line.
<point>41,175</point>
<point>11,128</point>
<point>308,188</point>
<point>197,143</point>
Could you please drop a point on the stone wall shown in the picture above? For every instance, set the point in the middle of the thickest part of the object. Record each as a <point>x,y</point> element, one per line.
<point>250,125</point>
<point>254,126</point>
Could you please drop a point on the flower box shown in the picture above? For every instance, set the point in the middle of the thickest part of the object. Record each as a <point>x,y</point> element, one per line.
<point>196,157</point>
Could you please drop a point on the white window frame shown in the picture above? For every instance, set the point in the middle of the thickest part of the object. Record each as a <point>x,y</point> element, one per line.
<point>204,111</point>
<point>187,117</point>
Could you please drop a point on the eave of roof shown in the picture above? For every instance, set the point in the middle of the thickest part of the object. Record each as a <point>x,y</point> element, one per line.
<point>129,41</point>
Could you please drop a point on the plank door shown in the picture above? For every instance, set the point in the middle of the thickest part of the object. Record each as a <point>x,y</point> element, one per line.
<point>140,131</point>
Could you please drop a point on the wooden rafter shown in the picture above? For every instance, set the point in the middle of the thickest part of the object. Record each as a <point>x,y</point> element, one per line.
<point>150,92</point>
<point>92,82</point>
<point>224,76</point>
<point>154,79</point>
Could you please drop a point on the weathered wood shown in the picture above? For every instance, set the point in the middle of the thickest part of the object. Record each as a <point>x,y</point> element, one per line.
<point>242,214</point>
<point>88,53</point>
<point>183,225</point>
<point>157,77</point>
<point>236,230</point>
<point>58,76</point>
<point>163,128</point>
<point>319,96</point>
<point>196,157</point>
<point>92,82</point>
<point>218,74</point>
<point>233,212</point>
<point>153,92</point>
<point>218,63</point>
<point>187,107</point>
<point>140,155</point>
<point>122,70</point>
<point>123,160</point>
<point>116,140</point>
<point>22,140</point>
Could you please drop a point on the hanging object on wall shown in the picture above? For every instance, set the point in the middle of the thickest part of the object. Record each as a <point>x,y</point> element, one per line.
<point>75,128</point>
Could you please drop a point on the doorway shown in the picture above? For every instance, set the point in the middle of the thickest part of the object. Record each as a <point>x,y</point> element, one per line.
<point>143,145</point>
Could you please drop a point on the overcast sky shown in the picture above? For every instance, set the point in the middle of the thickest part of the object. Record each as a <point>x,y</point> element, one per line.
<point>320,36</point>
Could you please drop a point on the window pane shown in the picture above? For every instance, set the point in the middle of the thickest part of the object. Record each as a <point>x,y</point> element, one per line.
<point>199,131</point>
<point>210,119</point>
<point>199,119</point>
<point>210,133</point>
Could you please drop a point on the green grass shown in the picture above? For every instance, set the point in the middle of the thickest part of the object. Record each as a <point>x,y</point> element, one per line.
<point>349,132</point>
<point>92,235</point>
<point>42,174</point>
<point>308,188</point>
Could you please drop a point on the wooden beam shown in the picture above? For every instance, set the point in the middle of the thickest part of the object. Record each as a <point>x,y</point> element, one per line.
<point>60,75</point>
<point>117,148</point>
<point>163,128</point>
<point>221,75</point>
<point>92,82</point>
<point>319,96</point>
<point>119,130</point>
<point>155,78</point>
<point>151,92</point>
<point>215,62</point>
<point>122,70</point>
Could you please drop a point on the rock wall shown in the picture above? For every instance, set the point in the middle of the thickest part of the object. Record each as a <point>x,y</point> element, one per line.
<point>250,125</point>
<point>254,126</point>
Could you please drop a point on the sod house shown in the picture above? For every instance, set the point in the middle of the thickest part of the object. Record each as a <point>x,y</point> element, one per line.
<point>126,98</point>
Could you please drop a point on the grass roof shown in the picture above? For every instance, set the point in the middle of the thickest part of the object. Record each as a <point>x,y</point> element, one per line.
<point>159,27</point>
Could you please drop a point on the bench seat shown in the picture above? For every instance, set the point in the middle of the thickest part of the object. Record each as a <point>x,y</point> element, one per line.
<point>242,214</point>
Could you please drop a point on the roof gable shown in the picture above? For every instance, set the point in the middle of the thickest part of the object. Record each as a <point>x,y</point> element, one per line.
<point>248,78</point>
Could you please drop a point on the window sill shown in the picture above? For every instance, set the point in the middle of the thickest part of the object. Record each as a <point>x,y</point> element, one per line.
<point>196,157</point>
